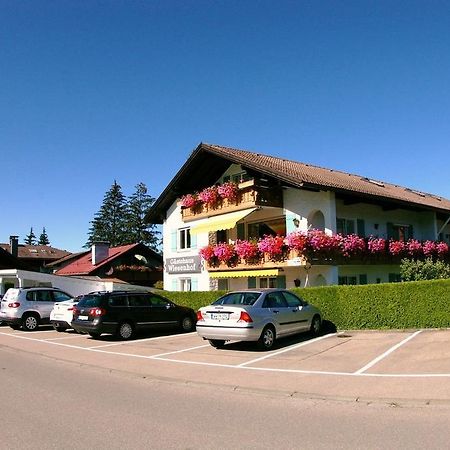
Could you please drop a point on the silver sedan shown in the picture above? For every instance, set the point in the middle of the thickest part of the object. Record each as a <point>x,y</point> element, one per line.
<point>260,315</point>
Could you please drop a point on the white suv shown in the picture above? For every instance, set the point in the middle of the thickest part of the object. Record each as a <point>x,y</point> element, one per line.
<point>30,307</point>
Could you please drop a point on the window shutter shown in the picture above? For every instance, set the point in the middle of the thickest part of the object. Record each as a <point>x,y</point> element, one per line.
<point>194,284</point>
<point>240,228</point>
<point>410,232</point>
<point>251,282</point>
<point>281,281</point>
<point>361,228</point>
<point>174,285</point>
<point>193,241</point>
<point>340,226</point>
<point>173,241</point>
<point>290,227</point>
<point>390,230</point>
<point>363,279</point>
<point>350,224</point>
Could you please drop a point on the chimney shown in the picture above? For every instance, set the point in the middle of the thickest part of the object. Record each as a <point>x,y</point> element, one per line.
<point>100,251</point>
<point>14,245</point>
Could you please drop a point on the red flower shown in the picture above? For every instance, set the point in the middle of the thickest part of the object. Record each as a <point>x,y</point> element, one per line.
<point>396,247</point>
<point>189,200</point>
<point>228,190</point>
<point>209,195</point>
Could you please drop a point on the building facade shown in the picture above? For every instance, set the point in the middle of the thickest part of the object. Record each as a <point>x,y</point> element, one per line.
<point>271,198</point>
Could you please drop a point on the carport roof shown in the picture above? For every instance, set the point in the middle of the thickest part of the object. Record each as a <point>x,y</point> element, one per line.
<point>208,162</point>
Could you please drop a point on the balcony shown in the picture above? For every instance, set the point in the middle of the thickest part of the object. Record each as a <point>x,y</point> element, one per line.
<point>251,194</point>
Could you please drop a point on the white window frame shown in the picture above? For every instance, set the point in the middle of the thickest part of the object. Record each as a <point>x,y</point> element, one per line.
<point>187,238</point>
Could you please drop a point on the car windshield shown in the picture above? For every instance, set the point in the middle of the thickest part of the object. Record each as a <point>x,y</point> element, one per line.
<point>238,298</point>
<point>89,301</point>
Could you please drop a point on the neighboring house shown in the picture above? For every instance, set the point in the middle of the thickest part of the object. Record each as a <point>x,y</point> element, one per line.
<point>133,263</point>
<point>33,257</point>
<point>278,197</point>
<point>8,261</point>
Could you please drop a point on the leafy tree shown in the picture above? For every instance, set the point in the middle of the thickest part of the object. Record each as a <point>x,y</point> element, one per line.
<point>138,230</point>
<point>416,270</point>
<point>30,239</point>
<point>110,221</point>
<point>43,238</point>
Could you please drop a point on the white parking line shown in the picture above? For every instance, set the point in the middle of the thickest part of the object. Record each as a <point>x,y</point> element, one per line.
<point>311,341</point>
<point>156,338</point>
<point>72,336</point>
<point>386,353</point>
<point>244,367</point>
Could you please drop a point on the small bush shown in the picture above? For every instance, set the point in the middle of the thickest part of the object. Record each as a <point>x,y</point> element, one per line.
<point>416,270</point>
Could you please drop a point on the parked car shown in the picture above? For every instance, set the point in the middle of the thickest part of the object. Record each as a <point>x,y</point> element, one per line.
<point>123,313</point>
<point>62,314</point>
<point>261,315</point>
<point>30,307</point>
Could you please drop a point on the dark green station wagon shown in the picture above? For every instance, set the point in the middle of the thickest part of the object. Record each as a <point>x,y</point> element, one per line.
<point>123,313</point>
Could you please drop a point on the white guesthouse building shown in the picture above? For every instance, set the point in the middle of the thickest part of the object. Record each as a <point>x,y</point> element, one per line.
<point>277,197</point>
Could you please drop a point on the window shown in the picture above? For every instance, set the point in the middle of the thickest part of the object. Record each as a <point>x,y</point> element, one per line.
<point>268,282</point>
<point>275,300</point>
<point>394,278</point>
<point>347,280</point>
<point>221,236</point>
<point>60,296</point>
<point>185,284</point>
<point>184,239</point>
<point>159,301</point>
<point>138,300</point>
<point>399,232</point>
<point>222,284</point>
<point>118,300</point>
<point>269,227</point>
<point>292,300</point>
<point>238,298</point>
<point>345,226</point>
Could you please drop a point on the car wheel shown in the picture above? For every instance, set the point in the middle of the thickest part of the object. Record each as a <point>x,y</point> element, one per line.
<point>30,322</point>
<point>187,324</point>
<point>15,326</point>
<point>94,335</point>
<point>217,343</point>
<point>316,325</point>
<point>125,331</point>
<point>267,338</point>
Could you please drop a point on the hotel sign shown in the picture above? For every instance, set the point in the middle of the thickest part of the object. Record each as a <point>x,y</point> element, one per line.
<point>185,264</point>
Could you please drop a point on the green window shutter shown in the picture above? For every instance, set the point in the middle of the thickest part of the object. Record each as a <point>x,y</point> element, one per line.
<point>361,228</point>
<point>194,284</point>
<point>281,281</point>
<point>350,226</point>
<point>290,227</point>
<point>390,230</point>
<point>173,240</point>
<point>410,232</point>
<point>174,285</point>
<point>240,228</point>
<point>340,226</point>
<point>251,282</point>
<point>394,278</point>
<point>223,284</point>
<point>193,241</point>
<point>363,279</point>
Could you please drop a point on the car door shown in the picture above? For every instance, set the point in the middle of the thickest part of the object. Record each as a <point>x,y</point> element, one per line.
<point>44,303</point>
<point>164,312</point>
<point>301,315</point>
<point>141,310</point>
<point>281,313</point>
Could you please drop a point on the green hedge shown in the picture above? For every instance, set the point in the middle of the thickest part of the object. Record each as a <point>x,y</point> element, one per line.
<point>420,304</point>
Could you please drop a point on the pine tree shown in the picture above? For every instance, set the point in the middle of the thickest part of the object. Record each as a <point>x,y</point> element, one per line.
<point>30,239</point>
<point>109,222</point>
<point>43,238</point>
<point>138,230</point>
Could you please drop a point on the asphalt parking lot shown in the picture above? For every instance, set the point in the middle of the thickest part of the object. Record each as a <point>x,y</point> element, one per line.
<point>396,367</point>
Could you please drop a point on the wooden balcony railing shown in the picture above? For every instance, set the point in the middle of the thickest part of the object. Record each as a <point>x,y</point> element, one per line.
<point>250,194</point>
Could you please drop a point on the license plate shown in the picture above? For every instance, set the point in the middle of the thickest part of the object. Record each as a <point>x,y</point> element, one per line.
<point>220,316</point>
<point>57,316</point>
<point>83,317</point>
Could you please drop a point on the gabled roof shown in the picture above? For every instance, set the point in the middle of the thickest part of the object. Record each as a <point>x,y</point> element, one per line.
<point>37,252</point>
<point>84,266</point>
<point>208,162</point>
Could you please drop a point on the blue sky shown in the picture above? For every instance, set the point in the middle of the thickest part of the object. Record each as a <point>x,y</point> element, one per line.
<point>97,91</point>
